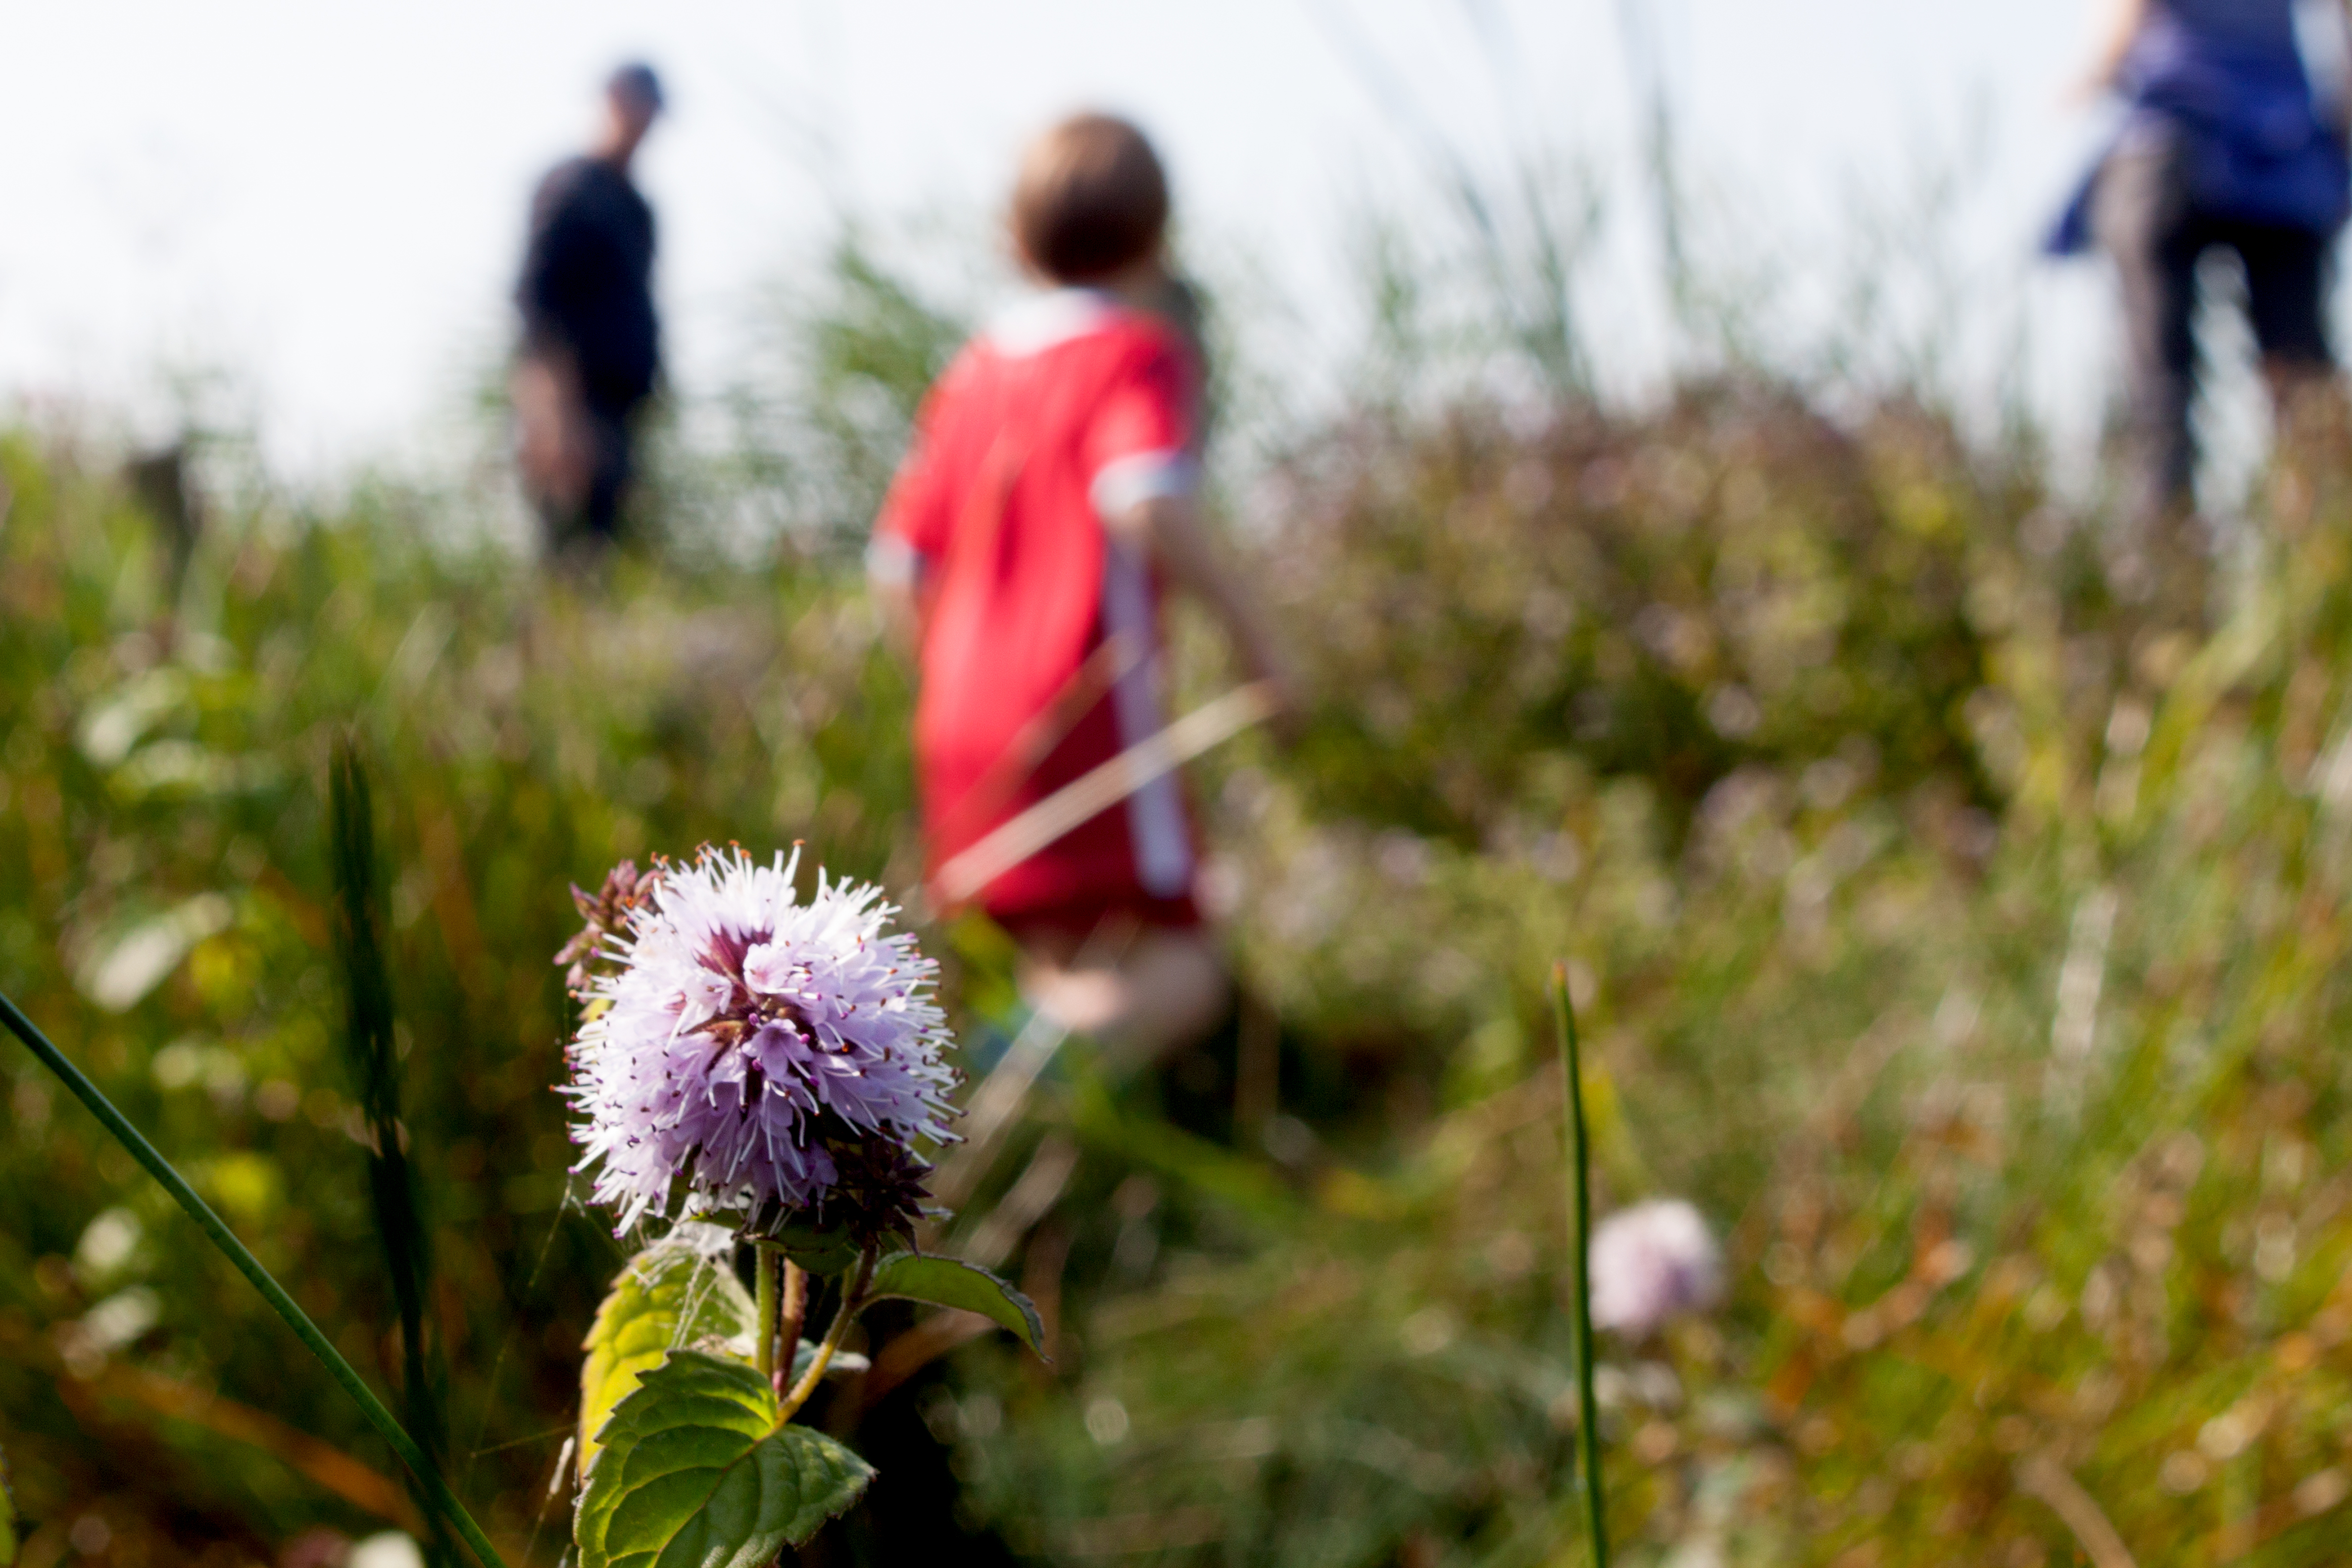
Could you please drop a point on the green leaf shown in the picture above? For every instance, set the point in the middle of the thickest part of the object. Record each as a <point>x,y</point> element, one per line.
<point>697,1471</point>
<point>814,1248</point>
<point>677,1294</point>
<point>951,1282</point>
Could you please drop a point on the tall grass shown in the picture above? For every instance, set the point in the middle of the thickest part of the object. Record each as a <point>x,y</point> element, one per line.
<point>371,1060</point>
<point>1964,943</point>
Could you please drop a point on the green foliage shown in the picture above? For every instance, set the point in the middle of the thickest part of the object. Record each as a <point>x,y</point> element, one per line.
<point>521,735</point>
<point>823,423</point>
<point>1733,582</point>
<point>698,1469</point>
<point>371,1058</point>
<point>1981,973</point>
<point>675,1295</point>
<point>950,1282</point>
<point>1580,1266</point>
<point>820,1251</point>
<point>8,1518</point>
<point>1992,1086</point>
<point>870,356</point>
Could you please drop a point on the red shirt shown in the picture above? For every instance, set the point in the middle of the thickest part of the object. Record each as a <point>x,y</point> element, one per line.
<point>1072,407</point>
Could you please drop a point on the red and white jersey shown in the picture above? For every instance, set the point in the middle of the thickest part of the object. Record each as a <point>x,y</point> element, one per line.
<point>1071,409</point>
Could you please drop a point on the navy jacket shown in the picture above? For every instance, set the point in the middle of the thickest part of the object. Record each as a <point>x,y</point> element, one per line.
<point>587,280</point>
<point>2224,82</point>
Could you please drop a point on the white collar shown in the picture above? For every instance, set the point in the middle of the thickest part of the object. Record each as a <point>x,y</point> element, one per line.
<point>1049,320</point>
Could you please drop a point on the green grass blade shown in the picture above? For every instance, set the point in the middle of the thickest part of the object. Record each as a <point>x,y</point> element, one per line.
<point>284,1305</point>
<point>372,1059</point>
<point>1580,1196</point>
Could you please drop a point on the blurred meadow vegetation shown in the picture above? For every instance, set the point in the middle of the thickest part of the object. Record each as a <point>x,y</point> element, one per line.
<point>1968,944</point>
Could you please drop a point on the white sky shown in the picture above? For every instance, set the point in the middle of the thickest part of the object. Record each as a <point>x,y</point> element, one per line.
<point>326,199</point>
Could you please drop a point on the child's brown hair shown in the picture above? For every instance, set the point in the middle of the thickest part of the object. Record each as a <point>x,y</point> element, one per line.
<point>1091,199</point>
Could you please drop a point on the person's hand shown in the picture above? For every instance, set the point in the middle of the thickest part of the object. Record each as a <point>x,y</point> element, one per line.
<point>2088,89</point>
<point>1288,720</point>
<point>552,446</point>
<point>2119,29</point>
<point>1270,665</point>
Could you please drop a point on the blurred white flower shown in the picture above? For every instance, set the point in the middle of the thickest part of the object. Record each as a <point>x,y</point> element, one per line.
<point>389,1549</point>
<point>1652,1263</point>
<point>107,1247</point>
<point>121,1319</point>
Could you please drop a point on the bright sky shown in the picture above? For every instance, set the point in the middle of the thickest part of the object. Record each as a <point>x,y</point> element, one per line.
<point>327,200</point>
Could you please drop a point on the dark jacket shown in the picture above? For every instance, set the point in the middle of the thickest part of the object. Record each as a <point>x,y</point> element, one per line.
<point>2222,83</point>
<point>587,281</point>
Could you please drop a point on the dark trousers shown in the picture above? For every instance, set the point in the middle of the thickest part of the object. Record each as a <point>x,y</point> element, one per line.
<point>613,436</point>
<point>2146,219</point>
<point>593,517</point>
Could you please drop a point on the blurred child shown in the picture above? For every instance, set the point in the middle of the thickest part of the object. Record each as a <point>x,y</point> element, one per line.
<point>1048,497</point>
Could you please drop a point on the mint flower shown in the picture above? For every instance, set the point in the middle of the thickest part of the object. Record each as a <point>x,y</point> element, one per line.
<point>747,1053</point>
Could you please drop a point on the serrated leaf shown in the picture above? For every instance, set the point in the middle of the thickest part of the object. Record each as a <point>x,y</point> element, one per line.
<point>677,1294</point>
<point>951,1282</point>
<point>816,1249</point>
<point>699,1472</point>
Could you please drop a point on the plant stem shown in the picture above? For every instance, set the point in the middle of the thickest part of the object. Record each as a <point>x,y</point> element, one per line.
<point>853,1302</point>
<point>794,1313</point>
<point>764,1297</point>
<point>219,1234</point>
<point>1580,1194</point>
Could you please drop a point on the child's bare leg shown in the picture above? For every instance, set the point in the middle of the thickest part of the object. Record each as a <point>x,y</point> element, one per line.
<point>1166,989</point>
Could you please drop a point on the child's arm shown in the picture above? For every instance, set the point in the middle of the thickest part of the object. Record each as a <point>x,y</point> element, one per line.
<point>893,575</point>
<point>1170,530</point>
<point>2117,30</point>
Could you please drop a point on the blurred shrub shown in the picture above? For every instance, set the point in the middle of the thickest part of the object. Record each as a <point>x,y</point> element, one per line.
<point>162,837</point>
<point>2016,1106</point>
<point>1731,582</point>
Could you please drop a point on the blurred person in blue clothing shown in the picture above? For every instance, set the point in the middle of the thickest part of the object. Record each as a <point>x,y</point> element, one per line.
<point>591,349</point>
<point>2226,145</point>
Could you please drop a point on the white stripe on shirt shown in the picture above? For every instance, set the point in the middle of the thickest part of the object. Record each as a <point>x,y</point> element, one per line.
<point>1125,483</point>
<point>891,562</point>
<point>1155,813</point>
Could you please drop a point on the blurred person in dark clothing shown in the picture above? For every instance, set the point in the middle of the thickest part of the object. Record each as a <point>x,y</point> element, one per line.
<point>591,341</point>
<point>2227,146</point>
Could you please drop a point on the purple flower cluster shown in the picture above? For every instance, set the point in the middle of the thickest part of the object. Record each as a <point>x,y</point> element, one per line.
<point>744,1047</point>
<point>1652,1263</point>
